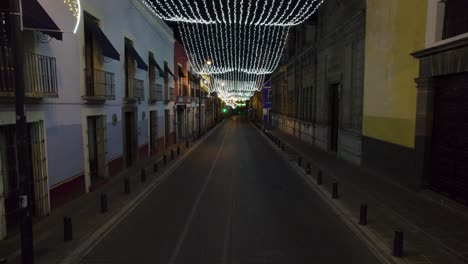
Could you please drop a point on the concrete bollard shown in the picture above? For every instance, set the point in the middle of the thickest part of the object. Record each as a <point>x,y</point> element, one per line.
<point>143,175</point>
<point>398,244</point>
<point>127,185</point>
<point>320,177</point>
<point>363,215</point>
<point>308,169</point>
<point>335,190</point>
<point>104,207</point>
<point>155,167</point>
<point>67,229</point>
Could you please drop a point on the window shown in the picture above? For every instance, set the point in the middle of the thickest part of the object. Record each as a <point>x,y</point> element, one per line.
<point>456,18</point>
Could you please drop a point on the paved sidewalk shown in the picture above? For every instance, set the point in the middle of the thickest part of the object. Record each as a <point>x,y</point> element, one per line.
<point>433,233</point>
<point>49,245</point>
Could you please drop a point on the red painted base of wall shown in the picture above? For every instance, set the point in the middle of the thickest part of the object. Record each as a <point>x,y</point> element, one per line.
<point>143,152</point>
<point>115,166</point>
<point>65,192</point>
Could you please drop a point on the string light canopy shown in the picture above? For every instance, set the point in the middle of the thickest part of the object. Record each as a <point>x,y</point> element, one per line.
<point>243,12</point>
<point>236,42</point>
<point>75,8</point>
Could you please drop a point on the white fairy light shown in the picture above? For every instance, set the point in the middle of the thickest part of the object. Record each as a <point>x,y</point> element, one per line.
<point>75,7</point>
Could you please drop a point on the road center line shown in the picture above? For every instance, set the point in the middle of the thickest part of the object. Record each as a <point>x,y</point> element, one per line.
<point>182,236</point>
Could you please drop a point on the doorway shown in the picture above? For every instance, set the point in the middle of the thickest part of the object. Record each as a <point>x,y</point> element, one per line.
<point>334,116</point>
<point>97,148</point>
<point>153,131</point>
<point>130,138</point>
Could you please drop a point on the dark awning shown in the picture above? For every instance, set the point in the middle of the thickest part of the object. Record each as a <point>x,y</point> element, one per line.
<point>153,62</point>
<point>181,72</point>
<point>108,49</point>
<point>134,54</point>
<point>36,18</point>
<point>169,71</point>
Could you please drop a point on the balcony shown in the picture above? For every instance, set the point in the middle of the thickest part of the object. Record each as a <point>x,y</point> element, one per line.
<point>100,86</point>
<point>40,75</point>
<point>156,93</point>
<point>170,94</point>
<point>135,91</point>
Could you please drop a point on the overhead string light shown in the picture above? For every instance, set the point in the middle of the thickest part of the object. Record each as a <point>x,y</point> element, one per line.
<point>242,39</point>
<point>287,12</point>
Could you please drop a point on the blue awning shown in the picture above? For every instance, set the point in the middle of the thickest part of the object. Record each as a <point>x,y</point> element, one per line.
<point>107,48</point>
<point>134,54</point>
<point>160,70</point>
<point>36,18</point>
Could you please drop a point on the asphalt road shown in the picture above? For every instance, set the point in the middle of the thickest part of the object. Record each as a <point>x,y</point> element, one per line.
<point>234,200</point>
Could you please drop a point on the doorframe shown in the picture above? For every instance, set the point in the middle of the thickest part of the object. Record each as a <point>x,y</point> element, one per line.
<point>134,110</point>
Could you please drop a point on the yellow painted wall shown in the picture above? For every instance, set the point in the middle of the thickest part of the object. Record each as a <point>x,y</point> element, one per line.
<point>394,29</point>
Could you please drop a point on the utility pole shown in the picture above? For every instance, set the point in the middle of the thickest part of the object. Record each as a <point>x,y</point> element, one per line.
<point>22,157</point>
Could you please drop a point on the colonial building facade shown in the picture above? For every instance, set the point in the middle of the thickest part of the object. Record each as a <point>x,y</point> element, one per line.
<point>98,101</point>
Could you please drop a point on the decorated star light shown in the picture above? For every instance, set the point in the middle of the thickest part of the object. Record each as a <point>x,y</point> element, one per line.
<point>75,8</point>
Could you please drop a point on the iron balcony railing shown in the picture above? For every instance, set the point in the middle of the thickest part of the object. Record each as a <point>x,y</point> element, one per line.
<point>156,92</point>
<point>171,94</point>
<point>40,75</point>
<point>136,90</point>
<point>100,84</point>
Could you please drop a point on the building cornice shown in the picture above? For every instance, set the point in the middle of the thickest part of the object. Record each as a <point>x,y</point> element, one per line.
<point>459,43</point>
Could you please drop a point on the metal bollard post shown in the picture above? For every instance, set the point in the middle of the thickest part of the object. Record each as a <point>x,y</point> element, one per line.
<point>282,146</point>
<point>104,207</point>
<point>178,150</point>
<point>143,175</point>
<point>127,185</point>
<point>3,261</point>
<point>308,169</point>
<point>363,215</point>
<point>172,154</point>
<point>335,190</point>
<point>398,244</point>
<point>67,229</point>
<point>155,167</point>
<point>299,161</point>
<point>320,178</point>
<point>165,159</point>
<point>193,139</point>
<point>187,144</point>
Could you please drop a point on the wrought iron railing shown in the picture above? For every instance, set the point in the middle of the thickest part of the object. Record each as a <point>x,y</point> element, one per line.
<point>136,90</point>
<point>100,84</point>
<point>156,92</point>
<point>170,94</point>
<point>40,74</point>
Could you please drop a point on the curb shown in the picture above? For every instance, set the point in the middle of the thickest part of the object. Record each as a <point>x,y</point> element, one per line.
<point>370,239</point>
<point>97,236</point>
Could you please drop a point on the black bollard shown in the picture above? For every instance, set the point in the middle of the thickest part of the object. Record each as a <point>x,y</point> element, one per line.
<point>282,146</point>
<point>155,167</point>
<point>187,144</point>
<point>363,215</point>
<point>193,139</point>
<point>335,190</point>
<point>104,207</point>
<point>3,261</point>
<point>299,161</point>
<point>127,185</point>
<point>398,244</point>
<point>165,159</point>
<point>172,154</point>
<point>308,169</point>
<point>143,175</point>
<point>178,150</point>
<point>320,178</point>
<point>67,229</point>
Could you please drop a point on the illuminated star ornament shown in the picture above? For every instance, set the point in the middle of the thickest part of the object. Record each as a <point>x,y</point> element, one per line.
<point>243,40</point>
<point>75,8</point>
